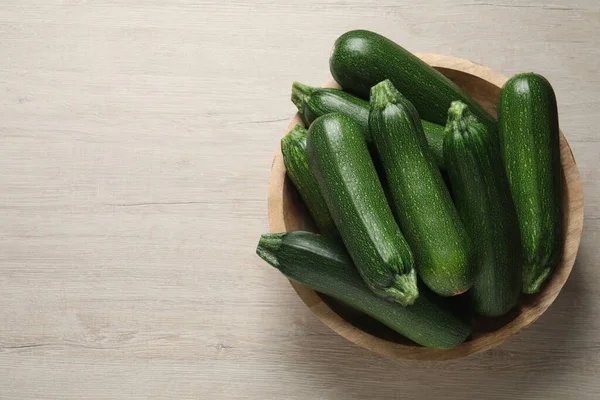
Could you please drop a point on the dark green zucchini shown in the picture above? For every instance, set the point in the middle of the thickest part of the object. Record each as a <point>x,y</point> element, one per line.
<point>530,147</point>
<point>313,102</point>
<point>361,59</point>
<point>426,214</point>
<point>482,198</point>
<point>434,134</point>
<point>340,160</point>
<point>295,158</point>
<point>322,265</point>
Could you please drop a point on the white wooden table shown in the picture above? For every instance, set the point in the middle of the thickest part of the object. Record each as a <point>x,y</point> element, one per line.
<point>136,138</point>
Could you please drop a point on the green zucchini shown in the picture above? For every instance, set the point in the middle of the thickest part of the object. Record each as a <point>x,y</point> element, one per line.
<point>295,158</point>
<point>482,198</point>
<point>313,102</point>
<point>361,59</point>
<point>322,265</point>
<point>424,208</point>
<point>530,148</point>
<point>434,134</point>
<point>339,158</point>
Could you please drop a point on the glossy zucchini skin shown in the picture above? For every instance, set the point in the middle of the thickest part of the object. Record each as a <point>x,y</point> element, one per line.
<point>323,265</point>
<point>427,217</point>
<point>360,59</point>
<point>314,102</point>
<point>482,197</point>
<point>342,165</point>
<point>295,159</point>
<point>530,148</point>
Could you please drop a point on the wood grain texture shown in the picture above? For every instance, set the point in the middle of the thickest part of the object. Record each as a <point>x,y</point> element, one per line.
<point>136,140</point>
<point>483,84</point>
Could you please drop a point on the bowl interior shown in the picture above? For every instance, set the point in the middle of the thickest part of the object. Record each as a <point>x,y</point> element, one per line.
<point>286,212</point>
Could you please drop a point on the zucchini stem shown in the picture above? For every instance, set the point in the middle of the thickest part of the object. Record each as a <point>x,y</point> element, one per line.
<point>300,94</point>
<point>384,93</point>
<point>460,117</point>
<point>268,245</point>
<point>404,288</point>
<point>297,133</point>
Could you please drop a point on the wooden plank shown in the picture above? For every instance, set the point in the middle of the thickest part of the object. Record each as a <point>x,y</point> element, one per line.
<point>136,139</point>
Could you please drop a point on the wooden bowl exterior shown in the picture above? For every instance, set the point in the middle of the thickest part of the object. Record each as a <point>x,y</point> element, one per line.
<point>286,214</point>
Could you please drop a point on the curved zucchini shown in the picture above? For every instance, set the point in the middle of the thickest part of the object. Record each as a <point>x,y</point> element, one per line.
<point>313,102</point>
<point>323,265</point>
<point>425,211</point>
<point>295,158</point>
<point>361,59</point>
<point>340,160</point>
<point>482,197</point>
<point>530,144</point>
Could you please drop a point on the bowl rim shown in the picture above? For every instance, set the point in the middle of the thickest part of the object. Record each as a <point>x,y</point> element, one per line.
<point>536,305</point>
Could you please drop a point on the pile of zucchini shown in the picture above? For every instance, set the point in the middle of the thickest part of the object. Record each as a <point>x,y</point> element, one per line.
<point>393,241</point>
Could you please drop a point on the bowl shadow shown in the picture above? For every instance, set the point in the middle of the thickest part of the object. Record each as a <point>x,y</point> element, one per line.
<point>528,363</point>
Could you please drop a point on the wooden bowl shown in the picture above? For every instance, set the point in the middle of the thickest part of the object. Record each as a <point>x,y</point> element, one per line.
<point>286,213</point>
